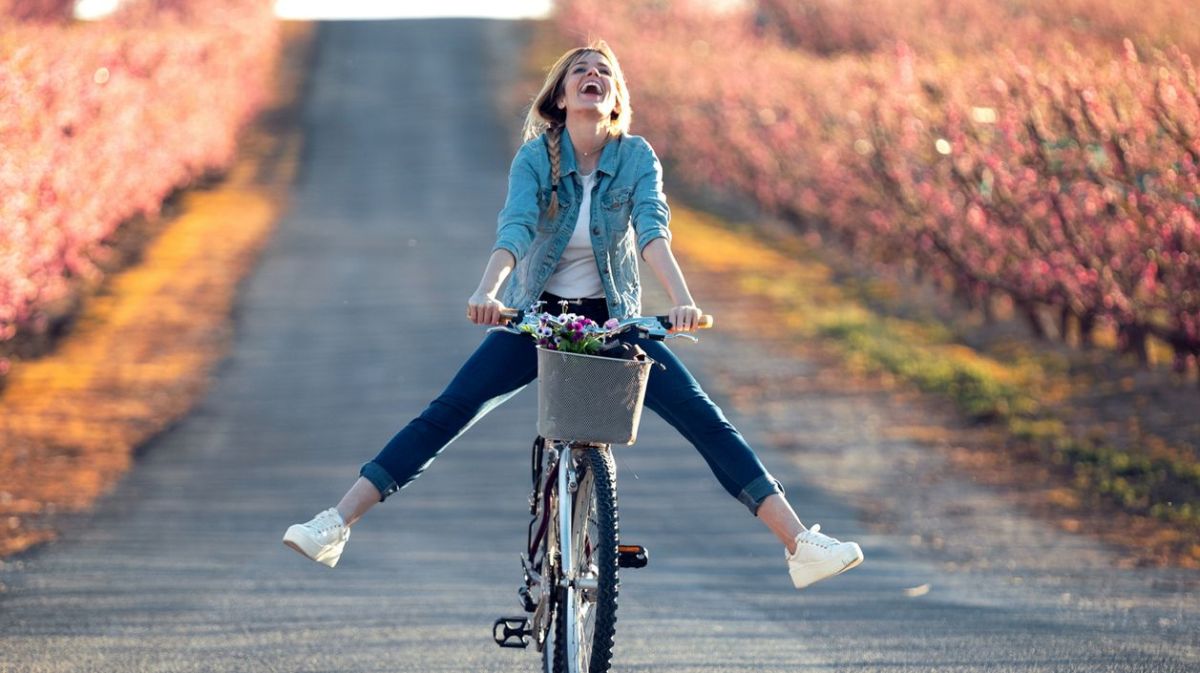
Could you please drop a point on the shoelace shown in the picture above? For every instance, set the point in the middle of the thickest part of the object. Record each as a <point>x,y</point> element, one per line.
<point>326,522</point>
<point>815,537</point>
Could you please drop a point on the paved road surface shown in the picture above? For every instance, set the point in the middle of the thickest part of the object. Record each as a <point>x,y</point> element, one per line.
<point>352,322</point>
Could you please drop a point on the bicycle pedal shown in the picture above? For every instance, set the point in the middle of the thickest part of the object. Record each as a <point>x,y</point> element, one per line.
<point>512,632</point>
<point>632,556</point>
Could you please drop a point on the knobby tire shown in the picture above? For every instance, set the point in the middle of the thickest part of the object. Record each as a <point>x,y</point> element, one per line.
<point>602,542</point>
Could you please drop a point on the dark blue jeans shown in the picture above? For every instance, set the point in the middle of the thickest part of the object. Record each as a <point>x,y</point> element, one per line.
<point>505,363</point>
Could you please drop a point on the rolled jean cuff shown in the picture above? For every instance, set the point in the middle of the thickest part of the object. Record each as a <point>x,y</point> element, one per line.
<point>380,479</point>
<point>758,490</point>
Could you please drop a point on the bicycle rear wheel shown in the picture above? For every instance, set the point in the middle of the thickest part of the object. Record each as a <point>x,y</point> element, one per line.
<point>592,602</point>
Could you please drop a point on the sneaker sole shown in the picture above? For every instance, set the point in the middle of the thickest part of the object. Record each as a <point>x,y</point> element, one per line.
<point>824,574</point>
<point>852,564</point>
<point>299,542</point>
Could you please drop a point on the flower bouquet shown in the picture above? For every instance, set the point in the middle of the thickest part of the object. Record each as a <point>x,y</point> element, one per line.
<point>569,333</point>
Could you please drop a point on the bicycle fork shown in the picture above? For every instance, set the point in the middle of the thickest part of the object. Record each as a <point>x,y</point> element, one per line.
<point>568,484</point>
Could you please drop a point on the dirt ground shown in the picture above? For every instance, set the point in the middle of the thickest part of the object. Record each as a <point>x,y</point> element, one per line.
<point>983,454</point>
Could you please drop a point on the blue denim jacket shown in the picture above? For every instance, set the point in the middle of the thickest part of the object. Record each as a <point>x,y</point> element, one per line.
<point>628,211</point>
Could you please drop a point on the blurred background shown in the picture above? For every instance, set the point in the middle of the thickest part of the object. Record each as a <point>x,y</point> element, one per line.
<point>1001,199</point>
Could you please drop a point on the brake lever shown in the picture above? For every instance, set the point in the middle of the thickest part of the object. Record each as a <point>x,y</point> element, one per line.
<point>653,333</point>
<point>661,334</point>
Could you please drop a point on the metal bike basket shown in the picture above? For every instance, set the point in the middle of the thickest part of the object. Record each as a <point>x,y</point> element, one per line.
<point>587,398</point>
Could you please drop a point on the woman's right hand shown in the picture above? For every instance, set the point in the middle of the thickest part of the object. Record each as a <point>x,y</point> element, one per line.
<point>484,309</point>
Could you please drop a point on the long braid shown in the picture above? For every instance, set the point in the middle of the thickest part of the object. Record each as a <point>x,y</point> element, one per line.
<point>547,119</point>
<point>554,145</point>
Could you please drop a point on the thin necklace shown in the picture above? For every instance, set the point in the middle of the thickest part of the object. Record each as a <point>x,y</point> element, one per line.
<point>595,149</point>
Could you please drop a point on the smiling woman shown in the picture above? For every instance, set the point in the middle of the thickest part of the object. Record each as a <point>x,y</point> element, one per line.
<point>405,9</point>
<point>585,201</point>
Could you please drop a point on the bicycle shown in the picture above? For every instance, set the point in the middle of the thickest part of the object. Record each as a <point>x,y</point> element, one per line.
<point>570,590</point>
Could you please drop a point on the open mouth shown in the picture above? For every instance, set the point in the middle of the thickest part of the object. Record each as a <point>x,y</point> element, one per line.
<point>592,88</point>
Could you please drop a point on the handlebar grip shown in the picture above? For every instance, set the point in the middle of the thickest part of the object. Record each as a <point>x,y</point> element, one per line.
<point>513,314</point>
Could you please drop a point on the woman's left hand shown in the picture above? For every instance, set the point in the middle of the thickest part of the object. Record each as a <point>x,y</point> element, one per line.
<point>684,318</point>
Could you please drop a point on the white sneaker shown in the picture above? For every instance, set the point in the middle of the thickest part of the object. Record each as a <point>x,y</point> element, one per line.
<point>819,556</point>
<point>321,539</point>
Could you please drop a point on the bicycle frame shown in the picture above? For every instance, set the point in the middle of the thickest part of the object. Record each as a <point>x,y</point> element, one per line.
<point>553,498</point>
<point>560,596</point>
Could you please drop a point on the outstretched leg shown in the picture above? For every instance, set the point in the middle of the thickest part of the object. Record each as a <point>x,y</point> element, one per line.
<point>502,365</point>
<point>676,396</point>
<point>361,497</point>
<point>777,514</point>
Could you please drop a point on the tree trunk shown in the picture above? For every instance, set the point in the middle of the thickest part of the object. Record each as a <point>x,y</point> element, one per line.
<point>962,294</point>
<point>1132,339</point>
<point>1087,330</point>
<point>1029,310</point>
<point>989,308</point>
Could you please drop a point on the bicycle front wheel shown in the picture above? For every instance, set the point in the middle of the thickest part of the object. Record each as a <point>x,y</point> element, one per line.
<point>585,619</point>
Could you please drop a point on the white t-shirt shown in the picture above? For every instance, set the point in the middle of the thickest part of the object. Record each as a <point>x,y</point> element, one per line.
<point>577,276</point>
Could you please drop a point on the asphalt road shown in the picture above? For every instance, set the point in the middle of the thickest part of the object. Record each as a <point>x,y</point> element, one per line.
<point>351,323</point>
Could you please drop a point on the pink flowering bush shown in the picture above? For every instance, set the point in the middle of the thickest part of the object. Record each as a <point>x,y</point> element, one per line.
<point>1071,186</point>
<point>971,27</point>
<point>100,122</point>
<point>1061,179</point>
<point>42,11</point>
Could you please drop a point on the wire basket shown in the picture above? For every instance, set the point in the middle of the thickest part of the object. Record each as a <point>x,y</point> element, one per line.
<point>587,398</point>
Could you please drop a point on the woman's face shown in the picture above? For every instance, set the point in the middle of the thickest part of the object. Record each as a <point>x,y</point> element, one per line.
<point>589,87</point>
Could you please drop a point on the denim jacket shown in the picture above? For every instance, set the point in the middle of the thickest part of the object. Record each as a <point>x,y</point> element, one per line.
<point>628,211</point>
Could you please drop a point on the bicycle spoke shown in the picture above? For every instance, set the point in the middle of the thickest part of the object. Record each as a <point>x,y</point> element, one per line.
<point>585,504</point>
<point>584,623</point>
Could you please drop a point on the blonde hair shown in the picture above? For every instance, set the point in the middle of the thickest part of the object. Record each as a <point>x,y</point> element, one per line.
<point>545,117</point>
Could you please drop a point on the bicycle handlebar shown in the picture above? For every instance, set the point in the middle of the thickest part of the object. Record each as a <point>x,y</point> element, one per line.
<point>518,315</point>
<point>655,327</point>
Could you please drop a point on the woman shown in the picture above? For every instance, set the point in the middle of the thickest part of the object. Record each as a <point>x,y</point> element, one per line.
<point>584,197</point>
